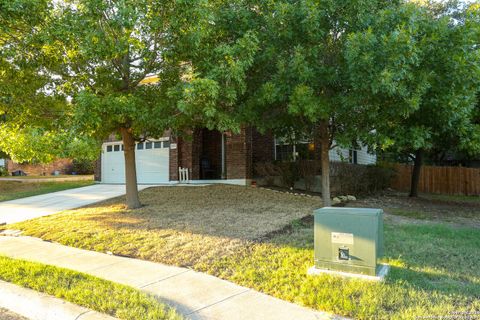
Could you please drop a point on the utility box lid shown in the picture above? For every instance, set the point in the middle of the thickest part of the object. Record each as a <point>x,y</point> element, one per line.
<point>350,211</point>
<point>348,239</point>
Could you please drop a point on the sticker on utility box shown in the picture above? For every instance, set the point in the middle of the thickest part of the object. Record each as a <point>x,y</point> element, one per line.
<point>340,237</point>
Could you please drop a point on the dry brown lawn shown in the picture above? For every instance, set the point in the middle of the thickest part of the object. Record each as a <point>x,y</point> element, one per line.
<point>177,225</point>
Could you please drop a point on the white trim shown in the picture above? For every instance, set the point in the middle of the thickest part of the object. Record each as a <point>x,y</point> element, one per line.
<point>240,182</point>
<point>144,184</point>
<point>146,140</point>
<point>275,148</point>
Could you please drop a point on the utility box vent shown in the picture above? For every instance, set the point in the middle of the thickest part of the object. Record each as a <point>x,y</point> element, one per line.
<point>349,240</point>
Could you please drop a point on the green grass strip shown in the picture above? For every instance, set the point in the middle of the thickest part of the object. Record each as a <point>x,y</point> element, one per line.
<point>100,295</point>
<point>12,190</point>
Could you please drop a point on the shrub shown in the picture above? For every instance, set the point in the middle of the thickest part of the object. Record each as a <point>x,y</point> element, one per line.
<point>309,169</point>
<point>360,179</point>
<point>3,172</point>
<point>268,171</point>
<point>289,173</point>
<point>83,167</point>
<point>346,178</point>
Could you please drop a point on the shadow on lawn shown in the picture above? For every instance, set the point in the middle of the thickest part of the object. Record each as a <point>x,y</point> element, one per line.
<point>435,283</point>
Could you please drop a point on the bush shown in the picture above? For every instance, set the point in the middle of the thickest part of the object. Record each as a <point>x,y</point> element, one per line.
<point>83,167</point>
<point>288,172</point>
<point>267,171</point>
<point>360,179</point>
<point>346,178</point>
<point>4,172</point>
<point>309,169</point>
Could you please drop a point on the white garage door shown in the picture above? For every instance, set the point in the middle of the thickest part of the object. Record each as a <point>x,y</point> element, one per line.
<point>152,160</point>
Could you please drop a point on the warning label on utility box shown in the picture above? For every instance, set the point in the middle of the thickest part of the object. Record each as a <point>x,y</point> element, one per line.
<point>339,237</point>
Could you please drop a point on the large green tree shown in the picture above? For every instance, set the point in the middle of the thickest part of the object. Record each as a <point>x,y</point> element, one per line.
<point>302,78</point>
<point>33,126</point>
<point>446,69</point>
<point>99,52</point>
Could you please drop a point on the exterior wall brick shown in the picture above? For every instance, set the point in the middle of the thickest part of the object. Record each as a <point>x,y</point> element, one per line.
<point>62,165</point>
<point>189,153</point>
<point>237,160</point>
<point>173,161</point>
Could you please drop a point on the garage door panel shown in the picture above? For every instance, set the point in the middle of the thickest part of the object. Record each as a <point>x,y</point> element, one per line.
<point>152,165</point>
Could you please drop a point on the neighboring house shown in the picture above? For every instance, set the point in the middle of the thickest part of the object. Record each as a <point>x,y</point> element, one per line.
<point>2,162</point>
<point>209,156</point>
<point>63,166</point>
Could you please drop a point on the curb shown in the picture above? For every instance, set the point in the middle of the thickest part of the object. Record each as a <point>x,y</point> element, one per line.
<point>40,306</point>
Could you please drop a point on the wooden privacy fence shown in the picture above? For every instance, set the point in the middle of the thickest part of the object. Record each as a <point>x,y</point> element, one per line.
<point>445,180</point>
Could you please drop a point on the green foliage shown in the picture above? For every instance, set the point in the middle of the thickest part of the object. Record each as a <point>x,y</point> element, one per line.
<point>101,295</point>
<point>361,179</point>
<point>103,50</point>
<point>428,64</point>
<point>302,73</point>
<point>3,172</point>
<point>34,124</point>
<point>83,166</point>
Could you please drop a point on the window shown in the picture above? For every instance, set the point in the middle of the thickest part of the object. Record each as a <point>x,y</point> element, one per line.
<point>166,144</point>
<point>284,152</point>
<point>148,145</point>
<point>109,148</point>
<point>157,144</point>
<point>300,151</point>
<point>353,156</point>
<point>140,146</point>
<point>116,147</point>
<point>123,147</point>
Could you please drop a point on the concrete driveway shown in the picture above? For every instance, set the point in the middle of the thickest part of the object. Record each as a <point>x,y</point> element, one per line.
<point>50,203</point>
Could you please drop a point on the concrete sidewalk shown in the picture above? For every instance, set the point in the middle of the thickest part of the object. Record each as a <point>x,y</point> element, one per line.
<point>50,203</point>
<point>193,294</point>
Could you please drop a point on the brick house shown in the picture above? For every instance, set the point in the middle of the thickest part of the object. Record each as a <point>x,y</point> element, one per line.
<point>208,156</point>
<point>63,166</point>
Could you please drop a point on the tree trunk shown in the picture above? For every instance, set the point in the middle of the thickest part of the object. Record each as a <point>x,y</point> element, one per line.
<point>417,167</point>
<point>325,161</point>
<point>133,201</point>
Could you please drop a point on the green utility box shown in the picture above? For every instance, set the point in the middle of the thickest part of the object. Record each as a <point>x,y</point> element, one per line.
<point>349,240</point>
